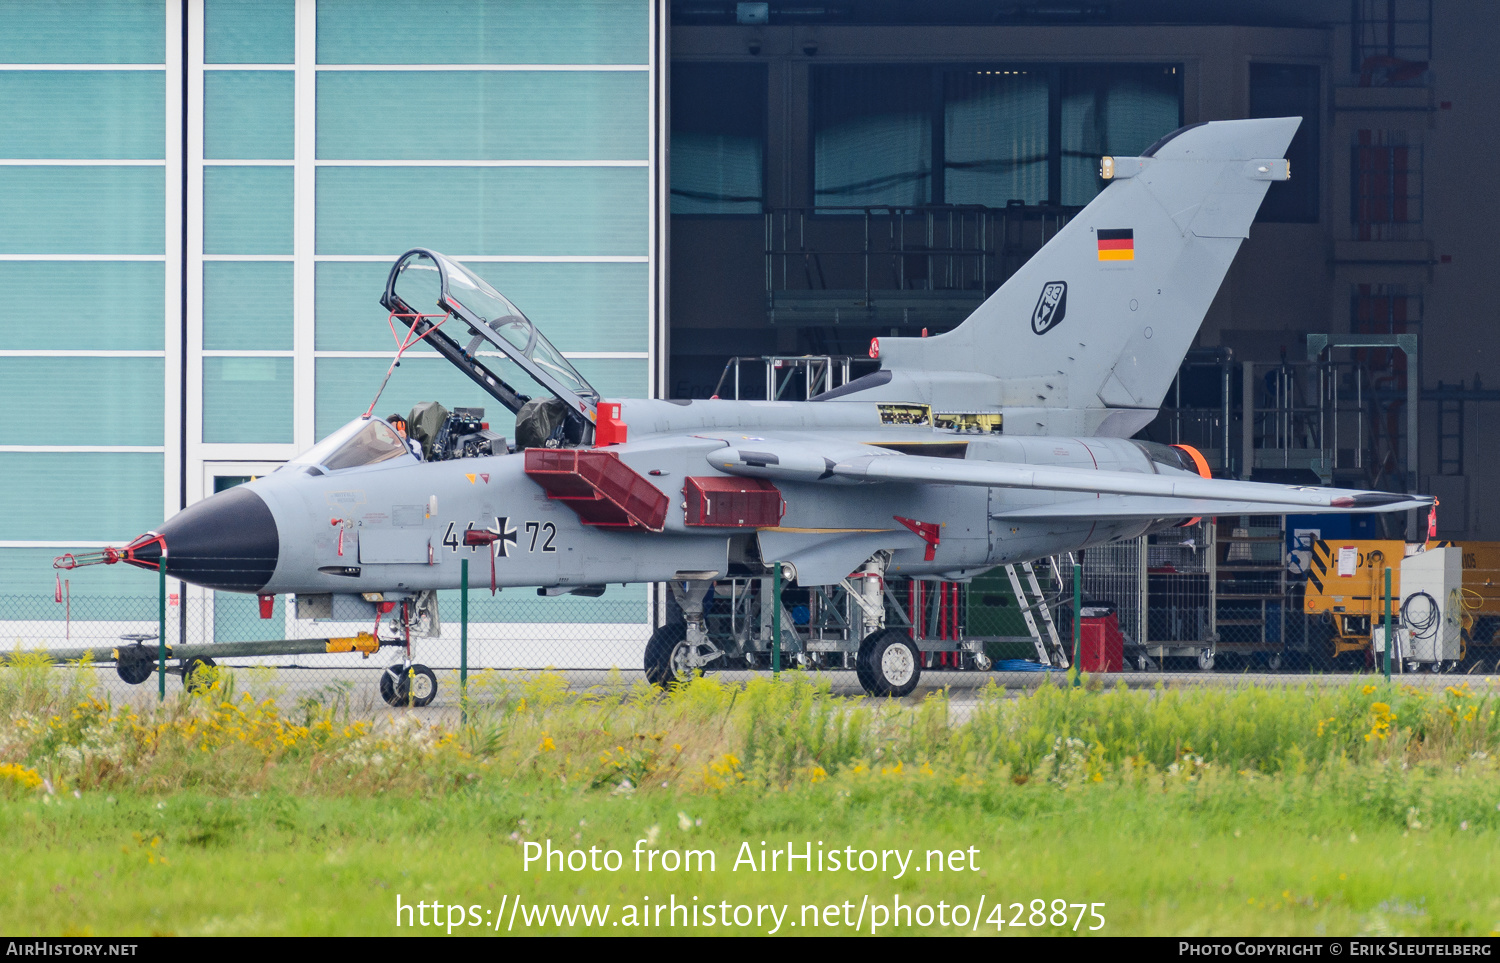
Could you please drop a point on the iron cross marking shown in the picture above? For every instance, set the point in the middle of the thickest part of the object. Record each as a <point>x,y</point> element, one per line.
<point>507,533</point>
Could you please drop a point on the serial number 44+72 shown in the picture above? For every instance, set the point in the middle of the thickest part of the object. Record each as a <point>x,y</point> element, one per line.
<point>531,537</point>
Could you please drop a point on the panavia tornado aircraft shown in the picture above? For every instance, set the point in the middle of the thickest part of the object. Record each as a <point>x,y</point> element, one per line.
<point>1005,440</point>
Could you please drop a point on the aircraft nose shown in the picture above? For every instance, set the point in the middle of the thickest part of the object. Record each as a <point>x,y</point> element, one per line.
<point>227,541</point>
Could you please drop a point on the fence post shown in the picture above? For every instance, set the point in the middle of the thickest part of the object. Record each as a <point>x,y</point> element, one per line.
<point>161,629</point>
<point>1388,640</point>
<point>776,621</point>
<point>1077,620</point>
<point>463,641</point>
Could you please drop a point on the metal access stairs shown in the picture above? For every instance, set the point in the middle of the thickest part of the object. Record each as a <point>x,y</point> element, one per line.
<point>1033,602</point>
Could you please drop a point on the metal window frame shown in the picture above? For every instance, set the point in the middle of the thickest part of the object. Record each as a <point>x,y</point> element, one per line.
<point>1389,44</point>
<point>1362,174</point>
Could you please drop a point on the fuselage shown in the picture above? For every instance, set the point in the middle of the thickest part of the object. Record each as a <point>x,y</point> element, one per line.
<point>398,524</point>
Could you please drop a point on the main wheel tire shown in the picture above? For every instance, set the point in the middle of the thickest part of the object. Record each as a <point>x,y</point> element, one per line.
<point>666,653</point>
<point>861,669</point>
<point>415,686</point>
<point>190,669</point>
<point>890,664</point>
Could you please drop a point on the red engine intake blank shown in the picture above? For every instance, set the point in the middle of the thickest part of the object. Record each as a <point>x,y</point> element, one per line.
<point>719,501</point>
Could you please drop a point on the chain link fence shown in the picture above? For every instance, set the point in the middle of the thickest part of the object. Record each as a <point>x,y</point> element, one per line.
<point>1226,596</point>
<point>276,648</point>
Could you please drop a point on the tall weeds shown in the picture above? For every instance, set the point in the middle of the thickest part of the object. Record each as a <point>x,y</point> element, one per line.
<point>707,736</point>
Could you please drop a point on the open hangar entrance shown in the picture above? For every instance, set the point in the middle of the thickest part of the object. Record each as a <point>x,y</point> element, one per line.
<point>845,171</point>
<point>842,171</point>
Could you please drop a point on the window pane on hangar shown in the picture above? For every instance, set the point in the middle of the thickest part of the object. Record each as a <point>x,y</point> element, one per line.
<point>578,306</point>
<point>995,137</point>
<point>247,305</point>
<point>718,138</point>
<point>131,294</point>
<point>94,114</point>
<point>248,31</point>
<point>872,135</point>
<point>247,114</point>
<point>1112,109</point>
<point>483,32</point>
<point>247,400</point>
<point>483,115</point>
<point>83,32</point>
<point>102,404</point>
<point>81,495</point>
<point>247,210</point>
<point>82,210</point>
<point>557,211</point>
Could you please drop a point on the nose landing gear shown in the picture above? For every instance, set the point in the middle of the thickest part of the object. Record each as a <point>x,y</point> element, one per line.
<point>405,683</point>
<point>408,684</point>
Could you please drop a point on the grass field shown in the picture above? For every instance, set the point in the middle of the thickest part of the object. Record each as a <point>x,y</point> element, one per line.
<point>1279,811</point>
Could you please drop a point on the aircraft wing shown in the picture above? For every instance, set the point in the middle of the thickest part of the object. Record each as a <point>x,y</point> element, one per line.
<point>803,461</point>
<point>1153,506</point>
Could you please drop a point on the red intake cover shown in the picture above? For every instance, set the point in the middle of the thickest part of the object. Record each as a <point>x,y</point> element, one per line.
<point>723,502</point>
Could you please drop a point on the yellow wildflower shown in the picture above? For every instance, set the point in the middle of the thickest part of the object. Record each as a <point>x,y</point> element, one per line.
<point>26,778</point>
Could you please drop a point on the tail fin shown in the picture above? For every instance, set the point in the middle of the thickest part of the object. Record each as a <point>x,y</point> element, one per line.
<point>1086,337</point>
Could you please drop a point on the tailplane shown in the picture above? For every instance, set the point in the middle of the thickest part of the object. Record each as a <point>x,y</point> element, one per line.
<point>1086,337</point>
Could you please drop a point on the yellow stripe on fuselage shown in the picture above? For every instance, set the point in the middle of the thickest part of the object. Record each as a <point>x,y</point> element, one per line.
<point>1117,255</point>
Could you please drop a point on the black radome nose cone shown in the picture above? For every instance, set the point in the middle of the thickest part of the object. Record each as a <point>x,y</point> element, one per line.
<point>227,541</point>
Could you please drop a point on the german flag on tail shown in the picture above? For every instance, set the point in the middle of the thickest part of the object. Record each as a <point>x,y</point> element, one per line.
<point>1117,245</point>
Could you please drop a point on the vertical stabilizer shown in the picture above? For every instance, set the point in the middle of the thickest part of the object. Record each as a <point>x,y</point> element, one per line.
<point>1087,336</point>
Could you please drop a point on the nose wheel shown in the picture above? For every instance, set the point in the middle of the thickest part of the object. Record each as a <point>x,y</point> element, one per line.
<point>408,684</point>
<point>405,683</point>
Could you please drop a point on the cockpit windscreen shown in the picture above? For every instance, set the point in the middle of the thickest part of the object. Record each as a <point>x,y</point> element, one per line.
<point>362,442</point>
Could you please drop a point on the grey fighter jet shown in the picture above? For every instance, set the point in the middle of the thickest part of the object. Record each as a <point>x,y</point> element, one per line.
<point>1005,440</point>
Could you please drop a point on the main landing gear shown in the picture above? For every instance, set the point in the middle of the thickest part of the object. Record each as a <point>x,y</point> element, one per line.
<point>823,630</point>
<point>677,650</point>
<point>888,664</point>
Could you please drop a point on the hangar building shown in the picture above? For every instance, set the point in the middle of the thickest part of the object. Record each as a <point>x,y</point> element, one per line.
<point>199,200</point>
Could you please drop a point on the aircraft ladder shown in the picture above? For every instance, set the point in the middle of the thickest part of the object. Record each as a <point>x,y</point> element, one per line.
<point>1036,602</point>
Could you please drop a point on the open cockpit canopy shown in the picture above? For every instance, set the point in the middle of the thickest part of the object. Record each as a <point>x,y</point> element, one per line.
<point>425,286</point>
